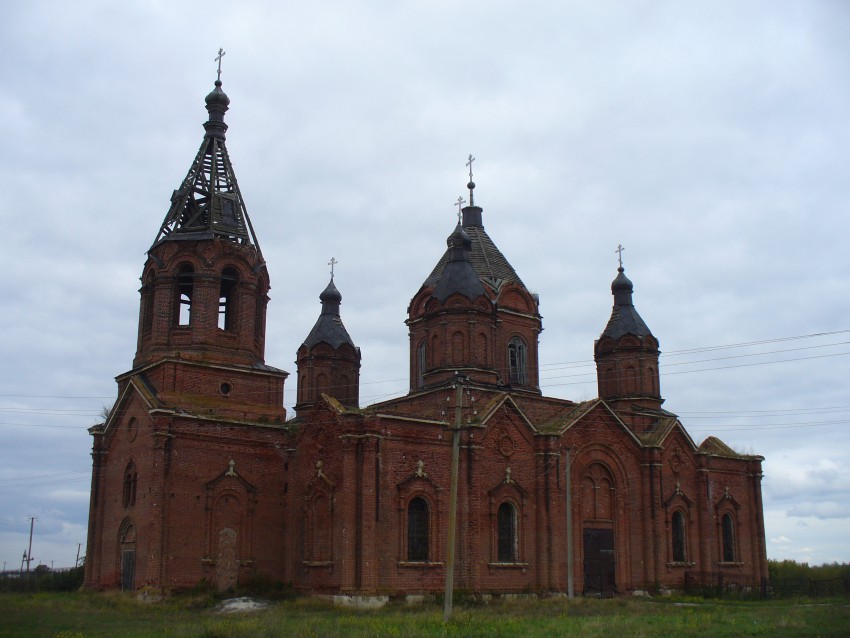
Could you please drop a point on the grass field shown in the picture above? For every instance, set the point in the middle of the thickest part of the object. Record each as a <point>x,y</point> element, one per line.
<point>84,615</point>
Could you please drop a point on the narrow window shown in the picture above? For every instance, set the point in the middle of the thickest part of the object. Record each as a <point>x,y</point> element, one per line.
<point>226,298</point>
<point>420,365</point>
<point>417,529</point>
<point>147,304</point>
<point>728,539</point>
<point>678,537</point>
<point>507,533</point>
<point>185,290</point>
<point>129,492</point>
<point>517,361</point>
<point>258,319</point>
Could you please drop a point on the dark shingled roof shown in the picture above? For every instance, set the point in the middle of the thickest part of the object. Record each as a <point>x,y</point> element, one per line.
<point>487,261</point>
<point>329,328</point>
<point>624,318</point>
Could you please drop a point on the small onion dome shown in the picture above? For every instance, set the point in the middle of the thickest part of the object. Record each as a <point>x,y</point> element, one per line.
<point>217,97</point>
<point>622,288</point>
<point>458,276</point>
<point>329,327</point>
<point>459,239</point>
<point>624,317</point>
<point>330,298</point>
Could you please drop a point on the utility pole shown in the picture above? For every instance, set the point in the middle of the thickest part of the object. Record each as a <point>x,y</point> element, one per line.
<point>570,559</point>
<point>29,551</point>
<point>77,562</point>
<point>450,558</point>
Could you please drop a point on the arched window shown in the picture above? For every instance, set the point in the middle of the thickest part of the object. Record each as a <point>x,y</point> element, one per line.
<point>507,533</point>
<point>728,525</point>
<point>517,361</point>
<point>678,524</point>
<point>420,365</point>
<point>321,384</point>
<point>129,492</point>
<point>185,290</point>
<point>418,522</point>
<point>458,347</point>
<point>227,298</point>
<point>631,380</point>
<point>319,519</point>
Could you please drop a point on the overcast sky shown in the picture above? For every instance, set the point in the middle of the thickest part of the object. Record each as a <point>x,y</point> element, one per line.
<point>711,139</point>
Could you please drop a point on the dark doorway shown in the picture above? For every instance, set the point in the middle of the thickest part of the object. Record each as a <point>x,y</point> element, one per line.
<point>599,563</point>
<point>128,569</point>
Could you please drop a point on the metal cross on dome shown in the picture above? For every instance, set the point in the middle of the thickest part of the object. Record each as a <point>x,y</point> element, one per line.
<point>333,262</point>
<point>469,163</point>
<point>221,53</point>
<point>459,203</point>
<point>619,251</point>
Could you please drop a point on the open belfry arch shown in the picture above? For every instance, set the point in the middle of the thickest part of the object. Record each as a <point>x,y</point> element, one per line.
<point>198,474</point>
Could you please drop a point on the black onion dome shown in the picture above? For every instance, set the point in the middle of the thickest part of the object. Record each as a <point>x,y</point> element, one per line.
<point>217,97</point>
<point>624,317</point>
<point>329,327</point>
<point>330,296</point>
<point>458,276</point>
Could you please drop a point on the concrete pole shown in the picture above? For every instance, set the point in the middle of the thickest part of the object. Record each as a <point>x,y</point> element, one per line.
<point>450,558</point>
<point>29,551</point>
<point>570,557</point>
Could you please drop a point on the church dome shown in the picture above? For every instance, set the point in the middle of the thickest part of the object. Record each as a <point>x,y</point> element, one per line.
<point>624,317</point>
<point>217,97</point>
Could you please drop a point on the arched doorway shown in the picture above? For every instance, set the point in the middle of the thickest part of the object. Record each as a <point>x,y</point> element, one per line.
<point>127,545</point>
<point>597,510</point>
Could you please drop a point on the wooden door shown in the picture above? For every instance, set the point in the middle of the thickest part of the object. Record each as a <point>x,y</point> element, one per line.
<point>599,562</point>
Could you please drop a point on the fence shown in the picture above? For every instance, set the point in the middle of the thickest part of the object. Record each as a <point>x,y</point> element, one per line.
<point>720,583</point>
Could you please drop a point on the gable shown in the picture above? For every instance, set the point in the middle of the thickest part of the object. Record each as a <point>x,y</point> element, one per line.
<point>594,418</point>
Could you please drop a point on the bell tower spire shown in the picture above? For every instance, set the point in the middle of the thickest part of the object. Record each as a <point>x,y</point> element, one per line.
<point>208,204</point>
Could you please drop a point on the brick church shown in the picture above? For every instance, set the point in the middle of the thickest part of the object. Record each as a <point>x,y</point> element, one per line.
<point>198,474</point>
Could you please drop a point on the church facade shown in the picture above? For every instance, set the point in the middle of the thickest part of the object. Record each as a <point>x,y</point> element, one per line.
<point>198,474</point>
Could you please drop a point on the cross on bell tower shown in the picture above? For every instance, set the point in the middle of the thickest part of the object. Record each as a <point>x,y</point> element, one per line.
<point>221,54</point>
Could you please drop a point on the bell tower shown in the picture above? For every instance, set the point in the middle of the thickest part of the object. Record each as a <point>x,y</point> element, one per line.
<point>205,285</point>
<point>202,317</point>
<point>626,357</point>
